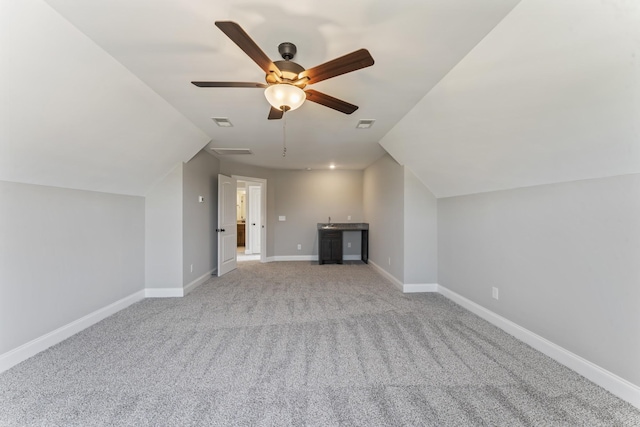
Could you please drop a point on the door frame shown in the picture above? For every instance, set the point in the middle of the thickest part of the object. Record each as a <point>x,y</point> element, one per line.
<point>263,208</point>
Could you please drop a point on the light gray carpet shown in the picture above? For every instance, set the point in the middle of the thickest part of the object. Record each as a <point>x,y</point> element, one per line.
<point>300,344</point>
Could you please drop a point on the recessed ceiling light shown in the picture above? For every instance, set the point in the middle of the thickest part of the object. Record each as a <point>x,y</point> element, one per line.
<point>365,123</point>
<point>223,122</point>
<point>332,166</point>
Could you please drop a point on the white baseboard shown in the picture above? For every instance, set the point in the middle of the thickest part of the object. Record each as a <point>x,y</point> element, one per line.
<point>405,287</point>
<point>408,288</point>
<point>199,281</point>
<point>398,284</point>
<point>33,347</point>
<point>163,292</point>
<point>605,379</point>
<point>308,258</point>
<point>292,258</point>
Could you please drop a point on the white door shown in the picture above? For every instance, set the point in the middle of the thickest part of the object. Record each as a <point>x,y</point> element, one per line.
<point>255,218</point>
<point>227,228</point>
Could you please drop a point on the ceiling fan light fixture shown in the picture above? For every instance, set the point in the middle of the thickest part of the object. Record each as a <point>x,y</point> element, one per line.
<point>284,96</point>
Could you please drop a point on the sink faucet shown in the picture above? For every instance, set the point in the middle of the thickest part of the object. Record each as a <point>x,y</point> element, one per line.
<point>329,220</point>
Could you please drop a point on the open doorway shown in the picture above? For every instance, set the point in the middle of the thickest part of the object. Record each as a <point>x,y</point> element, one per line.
<point>251,218</point>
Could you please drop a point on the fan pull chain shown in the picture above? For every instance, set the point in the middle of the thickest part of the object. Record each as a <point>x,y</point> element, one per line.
<point>284,133</point>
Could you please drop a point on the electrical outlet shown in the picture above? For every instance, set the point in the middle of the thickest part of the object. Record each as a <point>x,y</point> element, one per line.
<point>389,260</point>
<point>200,199</point>
<point>349,218</point>
<point>299,247</point>
<point>192,268</point>
<point>494,293</point>
<point>348,244</point>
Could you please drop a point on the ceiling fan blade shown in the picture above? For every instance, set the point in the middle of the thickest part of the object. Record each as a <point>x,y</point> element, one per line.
<point>229,84</point>
<point>345,64</point>
<point>275,114</point>
<point>246,43</point>
<point>330,101</point>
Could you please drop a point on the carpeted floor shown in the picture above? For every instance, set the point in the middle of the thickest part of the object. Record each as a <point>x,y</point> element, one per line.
<point>293,343</point>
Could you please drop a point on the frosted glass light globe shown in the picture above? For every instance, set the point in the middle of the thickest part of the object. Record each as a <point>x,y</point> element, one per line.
<point>285,97</point>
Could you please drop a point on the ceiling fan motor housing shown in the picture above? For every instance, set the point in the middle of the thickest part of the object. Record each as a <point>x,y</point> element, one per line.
<point>290,71</point>
<point>287,50</point>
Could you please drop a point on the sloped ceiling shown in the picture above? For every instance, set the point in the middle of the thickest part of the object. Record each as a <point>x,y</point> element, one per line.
<point>471,95</point>
<point>74,117</point>
<point>552,94</point>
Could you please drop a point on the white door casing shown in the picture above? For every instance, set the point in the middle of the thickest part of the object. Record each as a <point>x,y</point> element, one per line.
<point>255,218</point>
<point>227,228</point>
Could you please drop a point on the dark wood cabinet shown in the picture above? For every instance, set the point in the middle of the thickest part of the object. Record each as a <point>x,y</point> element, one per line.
<point>364,246</point>
<point>241,234</point>
<point>330,247</point>
<point>330,241</point>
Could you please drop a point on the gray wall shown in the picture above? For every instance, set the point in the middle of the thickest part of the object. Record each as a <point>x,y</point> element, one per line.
<point>64,254</point>
<point>420,231</point>
<point>163,232</point>
<point>199,244</point>
<point>565,258</point>
<point>306,198</point>
<point>383,201</point>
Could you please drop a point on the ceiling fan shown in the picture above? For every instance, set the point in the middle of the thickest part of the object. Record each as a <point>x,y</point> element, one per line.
<point>285,80</point>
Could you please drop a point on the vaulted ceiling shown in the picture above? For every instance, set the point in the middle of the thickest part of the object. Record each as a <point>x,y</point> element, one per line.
<point>472,96</point>
<point>552,94</point>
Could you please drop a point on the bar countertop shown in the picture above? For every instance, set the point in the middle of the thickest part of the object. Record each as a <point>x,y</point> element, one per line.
<point>344,226</point>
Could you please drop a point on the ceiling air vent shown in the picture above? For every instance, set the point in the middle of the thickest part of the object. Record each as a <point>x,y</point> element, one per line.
<point>223,122</point>
<point>365,124</point>
<point>230,151</point>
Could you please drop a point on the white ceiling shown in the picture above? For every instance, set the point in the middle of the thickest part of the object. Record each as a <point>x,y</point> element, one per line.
<point>471,95</point>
